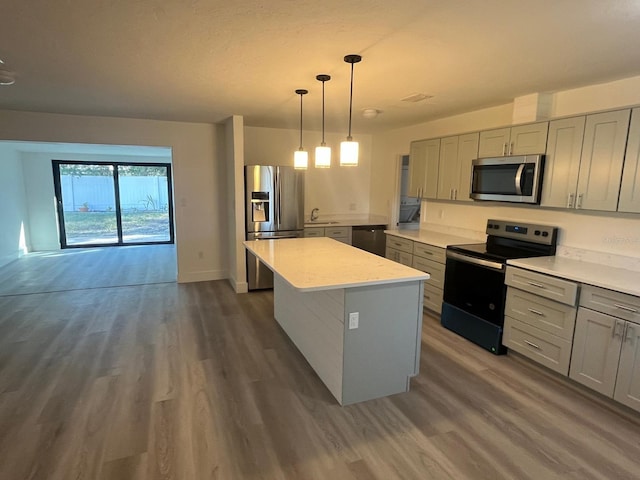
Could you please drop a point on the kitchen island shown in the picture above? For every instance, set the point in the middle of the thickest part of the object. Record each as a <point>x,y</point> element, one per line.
<point>356,317</point>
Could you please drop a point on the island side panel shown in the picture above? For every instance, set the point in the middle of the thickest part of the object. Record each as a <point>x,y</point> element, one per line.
<point>314,321</point>
<point>383,353</point>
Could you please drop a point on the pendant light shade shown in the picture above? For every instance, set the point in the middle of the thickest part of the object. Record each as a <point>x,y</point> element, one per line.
<point>301,157</point>
<point>323,153</point>
<point>349,148</point>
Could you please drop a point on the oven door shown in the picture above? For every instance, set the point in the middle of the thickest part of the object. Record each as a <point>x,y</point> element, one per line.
<point>475,286</point>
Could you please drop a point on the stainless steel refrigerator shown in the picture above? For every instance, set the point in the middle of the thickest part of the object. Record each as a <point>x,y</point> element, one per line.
<point>274,209</point>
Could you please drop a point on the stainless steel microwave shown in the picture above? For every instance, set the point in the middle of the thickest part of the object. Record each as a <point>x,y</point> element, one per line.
<point>507,179</point>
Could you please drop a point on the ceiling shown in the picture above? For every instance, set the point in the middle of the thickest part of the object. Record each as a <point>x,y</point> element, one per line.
<point>204,60</point>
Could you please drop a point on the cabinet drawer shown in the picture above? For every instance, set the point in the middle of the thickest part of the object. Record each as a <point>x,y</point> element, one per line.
<point>551,351</point>
<point>337,232</point>
<point>436,254</point>
<point>314,232</point>
<point>433,298</point>
<point>401,244</point>
<point>399,256</point>
<point>435,269</point>
<point>613,303</point>
<point>553,317</point>
<point>557,289</point>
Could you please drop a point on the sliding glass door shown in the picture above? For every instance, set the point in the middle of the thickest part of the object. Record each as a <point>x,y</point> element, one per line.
<point>113,203</point>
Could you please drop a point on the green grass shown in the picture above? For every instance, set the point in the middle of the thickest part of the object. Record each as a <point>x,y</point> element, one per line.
<point>93,224</point>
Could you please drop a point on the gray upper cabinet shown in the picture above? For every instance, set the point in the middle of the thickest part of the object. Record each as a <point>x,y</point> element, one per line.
<point>520,140</point>
<point>456,154</point>
<point>448,168</point>
<point>630,188</point>
<point>605,139</point>
<point>562,162</point>
<point>423,168</point>
<point>583,165</point>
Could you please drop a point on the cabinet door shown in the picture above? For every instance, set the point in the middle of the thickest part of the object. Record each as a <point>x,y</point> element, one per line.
<point>493,143</point>
<point>430,187</point>
<point>449,167</point>
<point>417,167</point>
<point>630,188</point>
<point>605,139</point>
<point>628,382</point>
<point>562,162</point>
<point>467,151</point>
<point>596,350</point>
<point>528,139</point>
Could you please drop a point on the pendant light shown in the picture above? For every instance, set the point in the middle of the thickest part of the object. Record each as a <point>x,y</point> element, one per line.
<point>301,157</point>
<point>323,153</point>
<point>349,148</point>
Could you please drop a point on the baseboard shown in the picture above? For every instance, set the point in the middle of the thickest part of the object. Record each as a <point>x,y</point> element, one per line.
<point>239,287</point>
<point>201,276</point>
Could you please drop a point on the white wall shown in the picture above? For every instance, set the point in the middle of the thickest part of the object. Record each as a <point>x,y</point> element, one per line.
<point>13,213</point>
<point>235,198</point>
<point>199,174</point>
<point>336,190</point>
<point>609,233</point>
<point>38,181</point>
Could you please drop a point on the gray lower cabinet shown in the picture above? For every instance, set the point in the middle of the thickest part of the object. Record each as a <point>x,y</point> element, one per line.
<point>606,346</point>
<point>340,233</point>
<point>540,325</point>
<point>421,256</point>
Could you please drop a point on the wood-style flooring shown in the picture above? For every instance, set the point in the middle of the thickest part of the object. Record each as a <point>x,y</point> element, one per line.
<point>191,381</point>
<point>83,268</point>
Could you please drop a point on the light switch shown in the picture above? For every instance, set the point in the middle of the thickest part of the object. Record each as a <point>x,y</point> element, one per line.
<point>354,317</point>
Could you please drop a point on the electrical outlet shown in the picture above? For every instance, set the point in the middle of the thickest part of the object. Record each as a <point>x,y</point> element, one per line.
<point>354,317</point>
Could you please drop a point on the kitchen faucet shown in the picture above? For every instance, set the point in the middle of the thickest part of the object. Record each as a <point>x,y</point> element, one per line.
<point>315,214</point>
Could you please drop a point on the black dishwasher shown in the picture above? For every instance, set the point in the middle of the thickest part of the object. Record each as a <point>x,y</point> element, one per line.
<point>370,238</point>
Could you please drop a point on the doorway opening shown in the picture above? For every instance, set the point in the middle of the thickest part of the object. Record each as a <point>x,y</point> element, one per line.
<point>113,203</point>
<point>409,215</point>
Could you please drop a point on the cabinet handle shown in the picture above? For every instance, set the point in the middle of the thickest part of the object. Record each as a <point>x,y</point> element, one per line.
<point>455,193</point>
<point>427,252</point>
<point>579,205</point>
<point>570,200</point>
<point>532,344</point>
<point>504,149</point>
<point>511,148</point>
<point>614,333</point>
<point>534,284</point>
<point>536,312</point>
<point>629,334</point>
<point>625,308</point>
<point>451,194</point>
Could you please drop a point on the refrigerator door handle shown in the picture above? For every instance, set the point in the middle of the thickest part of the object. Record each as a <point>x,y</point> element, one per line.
<point>276,194</point>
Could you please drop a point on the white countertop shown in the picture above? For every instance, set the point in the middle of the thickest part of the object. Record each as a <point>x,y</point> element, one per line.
<point>334,221</point>
<point>436,239</point>
<point>310,264</point>
<point>612,278</point>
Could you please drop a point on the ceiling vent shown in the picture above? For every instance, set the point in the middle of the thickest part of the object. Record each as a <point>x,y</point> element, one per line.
<point>416,97</point>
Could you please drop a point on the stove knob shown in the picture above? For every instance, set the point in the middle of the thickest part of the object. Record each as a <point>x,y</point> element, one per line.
<point>537,232</point>
<point>545,234</point>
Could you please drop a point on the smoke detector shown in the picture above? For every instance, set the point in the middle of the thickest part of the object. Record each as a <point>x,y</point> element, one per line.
<point>6,77</point>
<point>416,97</point>
<point>371,112</point>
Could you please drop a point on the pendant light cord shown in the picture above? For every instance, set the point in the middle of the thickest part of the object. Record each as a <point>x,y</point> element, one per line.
<point>322,113</point>
<point>301,121</point>
<point>350,103</point>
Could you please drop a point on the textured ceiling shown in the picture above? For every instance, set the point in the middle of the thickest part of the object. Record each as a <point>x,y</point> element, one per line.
<point>202,61</point>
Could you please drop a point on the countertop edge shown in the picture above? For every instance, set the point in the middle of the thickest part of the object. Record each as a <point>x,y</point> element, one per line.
<point>596,274</point>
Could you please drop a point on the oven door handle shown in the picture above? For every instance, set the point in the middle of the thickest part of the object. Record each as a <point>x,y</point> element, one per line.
<point>519,179</point>
<point>476,261</point>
